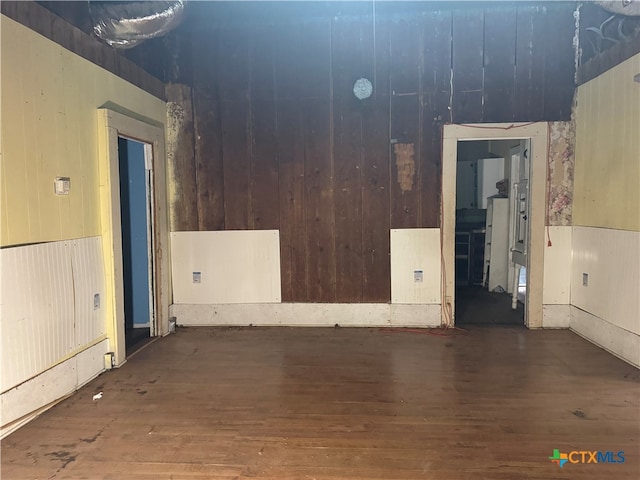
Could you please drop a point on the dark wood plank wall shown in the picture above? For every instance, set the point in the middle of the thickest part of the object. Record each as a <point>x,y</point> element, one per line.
<point>282,143</point>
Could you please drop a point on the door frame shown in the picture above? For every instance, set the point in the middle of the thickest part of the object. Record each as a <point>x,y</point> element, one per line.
<point>537,132</point>
<point>112,125</point>
<point>147,149</point>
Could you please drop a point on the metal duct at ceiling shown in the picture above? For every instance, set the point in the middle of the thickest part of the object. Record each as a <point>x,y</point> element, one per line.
<point>126,24</point>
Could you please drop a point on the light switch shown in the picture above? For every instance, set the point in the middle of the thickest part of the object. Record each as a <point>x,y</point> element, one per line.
<point>418,276</point>
<point>197,277</point>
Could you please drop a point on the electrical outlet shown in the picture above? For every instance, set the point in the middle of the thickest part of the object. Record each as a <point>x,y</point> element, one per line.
<point>197,277</point>
<point>418,276</point>
<point>585,279</point>
<point>109,360</point>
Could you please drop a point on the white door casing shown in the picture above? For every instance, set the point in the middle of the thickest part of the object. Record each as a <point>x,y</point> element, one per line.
<point>111,125</point>
<point>537,133</point>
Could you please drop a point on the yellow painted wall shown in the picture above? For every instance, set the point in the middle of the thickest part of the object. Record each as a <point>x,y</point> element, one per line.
<point>607,169</point>
<point>49,129</point>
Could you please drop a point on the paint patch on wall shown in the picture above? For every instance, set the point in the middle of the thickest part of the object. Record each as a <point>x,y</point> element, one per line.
<point>405,165</point>
<point>561,172</point>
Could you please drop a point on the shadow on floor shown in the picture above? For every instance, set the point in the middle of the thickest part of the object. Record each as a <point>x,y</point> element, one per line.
<point>477,306</point>
<point>136,338</point>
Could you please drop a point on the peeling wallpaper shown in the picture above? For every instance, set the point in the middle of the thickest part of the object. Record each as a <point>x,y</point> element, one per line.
<point>562,140</point>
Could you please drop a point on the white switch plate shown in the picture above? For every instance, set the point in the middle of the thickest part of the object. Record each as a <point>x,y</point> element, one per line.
<point>418,276</point>
<point>62,185</point>
<point>96,301</point>
<point>585,279</point>
<point>197,277</point>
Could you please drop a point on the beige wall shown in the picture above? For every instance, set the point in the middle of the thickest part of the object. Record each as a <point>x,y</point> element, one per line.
<point>605,269</point>
<point>607,167</point>
<point>49,129</point>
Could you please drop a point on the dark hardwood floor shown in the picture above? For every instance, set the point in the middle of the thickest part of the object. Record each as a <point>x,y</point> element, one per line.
<point>283,403</point>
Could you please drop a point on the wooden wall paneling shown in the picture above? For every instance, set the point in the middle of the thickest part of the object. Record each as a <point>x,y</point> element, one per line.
<point>288,45</point>
<point>499,64</point>
<point>347,151</point>
<point>376,201</point>
<point>181,159</point>
<point>208,131</point>
<point>559,78</point>
<point>468,33</point>
<point>315,59</point>
<point>236,163</point>
<point>265,195</point>
<point>318,163</point>
<point>405,125</point>
<point>608,59</point>
<point>61,33</point>
<point>234,63</point>
<point>293,247</point>
<point>375,164</point>
<point>290,144</point>
<point>265,204</point>
<point>319,202</point>
<point>175,62</point>
<point>234,76</point>
<point>436,94</point>
<point>529,81</point>
<point>376,56</point>
<point>262,63</point>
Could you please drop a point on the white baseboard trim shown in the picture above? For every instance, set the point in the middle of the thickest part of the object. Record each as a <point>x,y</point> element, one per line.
<point>556,316</point>
<point>618,341</point>
<point>309,314</point>
<point>23,403</point>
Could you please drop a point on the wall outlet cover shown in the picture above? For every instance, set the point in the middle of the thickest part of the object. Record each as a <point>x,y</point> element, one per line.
<point>197,277</point>
<point>96,301</point>
<point>585,279</point>
<point>418,276</point>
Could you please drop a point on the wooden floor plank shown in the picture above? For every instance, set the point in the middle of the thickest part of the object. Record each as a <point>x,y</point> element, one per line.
<point>285,403</point>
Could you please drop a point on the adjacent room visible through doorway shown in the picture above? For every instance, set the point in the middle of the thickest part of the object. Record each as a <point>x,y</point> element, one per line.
<point>135,210</point>
<point>490,232</point>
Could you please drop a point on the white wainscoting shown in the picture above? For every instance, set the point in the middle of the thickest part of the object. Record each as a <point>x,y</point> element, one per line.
<point>20,404</point>
<point>47,313</point>
<point>611,258</point>
<point>607,310</point>
<point>556,316</point>
<point>88,274</point>
<point>415,249</point>
<point>235,267</point>
<point>309,315</point>
<point>614,339</point>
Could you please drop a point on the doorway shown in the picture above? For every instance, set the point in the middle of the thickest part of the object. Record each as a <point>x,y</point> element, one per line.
<point>536,134</point>
<point>137,241</point>
<point>487,177</point>
<point>112,126</point>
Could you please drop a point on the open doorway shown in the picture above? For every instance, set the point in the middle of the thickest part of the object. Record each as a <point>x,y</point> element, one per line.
<point>487,231</point>
<point>533,216</point>
<point>137,241</point>
<point>112,127</point>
